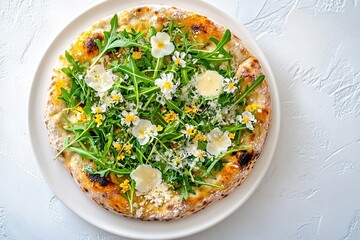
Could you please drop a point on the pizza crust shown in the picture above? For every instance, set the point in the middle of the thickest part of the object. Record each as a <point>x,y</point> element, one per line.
<point>103,190</point>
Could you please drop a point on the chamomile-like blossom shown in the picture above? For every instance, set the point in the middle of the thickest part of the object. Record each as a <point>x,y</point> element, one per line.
<point>189,130</point>
<point>192,150</point>
<point>129,118</point>
<point>247,118</point>
<point>161,45</point>
<point>218,142</point>
<point>230,85</point>
<point>166,85</point>
<point>178,58</point>
<point>99,79</point>
<point>96,109</point>
<point>116,97</point>
<point>144,131</point>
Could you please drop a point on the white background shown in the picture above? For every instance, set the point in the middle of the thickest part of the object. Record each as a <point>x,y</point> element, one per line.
<point>312,189</point>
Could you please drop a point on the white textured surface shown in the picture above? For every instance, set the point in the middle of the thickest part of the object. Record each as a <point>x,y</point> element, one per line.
<point>312,189</point>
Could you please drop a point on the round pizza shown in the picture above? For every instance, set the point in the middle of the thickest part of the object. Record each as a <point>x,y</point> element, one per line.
<point>157,112</point>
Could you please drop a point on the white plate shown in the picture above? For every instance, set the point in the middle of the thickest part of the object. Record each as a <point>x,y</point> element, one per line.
<point>62,183</point>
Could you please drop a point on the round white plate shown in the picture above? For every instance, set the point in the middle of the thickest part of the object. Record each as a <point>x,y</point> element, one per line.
<point>65,187</point>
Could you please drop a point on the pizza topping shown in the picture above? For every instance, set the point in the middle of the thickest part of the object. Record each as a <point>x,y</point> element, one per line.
<point>129,118</point>
<point>178,58</point>
<point>230,85</point>
<point>166,85</point>
<point>218,142</point>
<point>146,178</point>
<point>161,45</point>
<point>144,131</point>
<point>96,109</point>
<point>99,79</point>
<point>247,118</point>
<point>209,84</point>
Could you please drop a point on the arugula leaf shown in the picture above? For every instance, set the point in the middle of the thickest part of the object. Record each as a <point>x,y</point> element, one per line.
<point>256,83</point>
<point>109,39</point>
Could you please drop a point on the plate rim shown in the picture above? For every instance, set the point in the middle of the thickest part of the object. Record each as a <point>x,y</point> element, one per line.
<point>274,129</point>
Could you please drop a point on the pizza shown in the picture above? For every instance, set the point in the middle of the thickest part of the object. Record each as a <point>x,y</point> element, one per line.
<point>157,112</point>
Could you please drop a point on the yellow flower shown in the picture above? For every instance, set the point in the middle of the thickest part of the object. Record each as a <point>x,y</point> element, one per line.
<point>98,119</point>
<point>80,114</point>
<point>125,186</point>
<point>170,117</point>
<point>127,148</point>
<point>231,135</point>
<point>252,107</point>
<point>117,146</point>
<point>189,130</point>
<point>136,55</point>
<point>159,128</point>
<point>121,156</point>
<point>190,110</point>
<point>200,137</point>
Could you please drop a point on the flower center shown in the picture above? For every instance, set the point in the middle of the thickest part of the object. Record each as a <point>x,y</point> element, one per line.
<point>231,85</point>
<point>246,119</point>
<point>200,154</point>
<point>142,133</point>
<point>116,98</point>
<point>129,118</point>
<point>161,45</point>
<point>178,60</point>
<point>167,85</point>
<point>191,131</point>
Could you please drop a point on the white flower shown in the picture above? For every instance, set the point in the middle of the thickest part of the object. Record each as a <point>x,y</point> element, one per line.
<point>99,79</point>
<point>166,85</point>
<point>209,83</point>
<point>143,131</point>
<point>218,142</point>
<point>247,118</point>
<point>161,45</point>
<point>189,130</point>
<point>192,149</point>
<point>116,97</point>
<point>178,58</point>
<point>96,109</point>
<point>230,85</point>
<point>129,117</point>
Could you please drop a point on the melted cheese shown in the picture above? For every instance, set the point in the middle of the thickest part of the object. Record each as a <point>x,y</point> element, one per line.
<point>209,84</point>
<point>146,178</point>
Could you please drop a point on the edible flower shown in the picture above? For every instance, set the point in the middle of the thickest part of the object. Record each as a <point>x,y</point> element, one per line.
<point>98,119</point>
<point>166,84</point>
<point>190,109</point>
<point>253,107</point>
<point>161,45</point>
<point>143,131</point>
<point>230,85</point>
<point>99,79</point>
<point>80,114</point>
<point>125,186</point>
<point>218,142</point>
<point>136,55</point>
<point>117,145</point>
<point>189,130</point>
<point>247,118</point>
<point>116,97</point>
<point>129,118</point>
<point>178,58</point>
<point>170,117</point>
<point>97,109</point>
